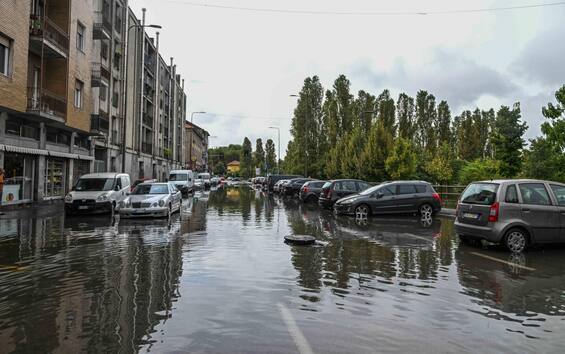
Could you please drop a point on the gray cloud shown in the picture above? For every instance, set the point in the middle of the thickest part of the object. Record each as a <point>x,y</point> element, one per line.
<point>542,59</point>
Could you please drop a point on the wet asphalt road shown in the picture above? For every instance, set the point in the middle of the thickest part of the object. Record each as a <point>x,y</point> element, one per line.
<point>218,278</point>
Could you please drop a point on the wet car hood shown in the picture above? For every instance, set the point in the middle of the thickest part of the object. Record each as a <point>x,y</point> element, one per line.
<point>351,198</point>
<point>147,198</point>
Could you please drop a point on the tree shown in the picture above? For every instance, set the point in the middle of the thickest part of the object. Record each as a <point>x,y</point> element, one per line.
<point>405,113</point>
<point>507,140</point>
<point>425,118</point>
<point>247,170</point>
<point>365,108</point>
<point>259,155</point>
<point>220,168</point>
<point>480,169</point>
<point>376,151</point>
<point>401,164</point>
<point>351,160</point>
<point>544,161</point>
<point>386,112</point>
<point>555,128</point>
<point>344,101</point>
<point>270,155</point>
<point>440,167</point>
<point>443,124</point>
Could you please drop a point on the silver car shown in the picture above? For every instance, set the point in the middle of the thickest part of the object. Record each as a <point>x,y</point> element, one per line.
<point>515,213</point>
<point>151,200</point>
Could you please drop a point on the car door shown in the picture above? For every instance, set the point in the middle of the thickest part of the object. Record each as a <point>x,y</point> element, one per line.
<point>538,212</point>
<point>406,198</point>
<point>559,194</point>
<point>383,200</point>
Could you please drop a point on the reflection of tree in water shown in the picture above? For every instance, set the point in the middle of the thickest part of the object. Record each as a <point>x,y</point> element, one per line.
<point>88,289</point>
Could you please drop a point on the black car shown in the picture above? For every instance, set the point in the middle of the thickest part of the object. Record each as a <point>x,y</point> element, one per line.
<point>294,185</point>
<point>339,188</point>
<point>310,191</point>
<point>392,198</point>
<point>272,179</point>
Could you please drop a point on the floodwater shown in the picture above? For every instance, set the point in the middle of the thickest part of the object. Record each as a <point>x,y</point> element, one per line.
<point>217,278</point>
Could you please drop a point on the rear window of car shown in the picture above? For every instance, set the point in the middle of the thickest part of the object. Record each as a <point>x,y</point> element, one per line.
<point>534,193</point>
<point>420,188</point>
<point>480,193</point>
<point>559,193</point>
<point>317,184</point>
<point>405,189</point>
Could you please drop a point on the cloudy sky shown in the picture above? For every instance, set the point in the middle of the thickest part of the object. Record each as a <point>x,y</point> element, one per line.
<point>241,66</point>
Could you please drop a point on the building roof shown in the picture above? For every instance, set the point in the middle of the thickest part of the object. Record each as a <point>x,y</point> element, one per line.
<point>234,163</point>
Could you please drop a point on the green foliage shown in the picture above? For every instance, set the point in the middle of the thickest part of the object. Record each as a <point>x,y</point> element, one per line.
<point>440,167</point>
<point>351,158</point>
<point>544,161</point>
<point>480,169</point>
<point>401,164</point>
<point>405,113</point>
<point>270,156</point>
<point>247,169</point>
<point>386,112</point>
<point>259,155</point>
<point>376,151</point>
<point>225,154</point>
<point>425,119</point>
<point>220,168</point>
<point>507,141</point>
<point>555,128</point>
<point>443,124</point>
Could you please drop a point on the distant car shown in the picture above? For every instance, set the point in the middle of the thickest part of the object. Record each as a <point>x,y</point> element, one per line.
<point>283,185</point>
<point>339,188</point>
<point>215,180</point>
<point>514,212</point>
<point>392,198</point>
<point>272,179</point>
<point>205,177</point>
<point>277,186</point>
<point>142,180</point>
<point>183,180</point>
<point>294,185</point>
<point>151,200</point>
<point>310,191</point>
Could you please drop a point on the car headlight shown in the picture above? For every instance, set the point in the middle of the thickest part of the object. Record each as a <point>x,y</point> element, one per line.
<point>69,198</point>
<point>125,204</point>
<point>154,205</point>
<point>161,202</point>
<point>102,198</point>
<point>347,202</point>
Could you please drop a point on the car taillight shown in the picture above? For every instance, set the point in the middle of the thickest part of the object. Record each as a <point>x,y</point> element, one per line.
<point>329,193</point>
<point>493,213</point>
<point>437,197</point>
<point>305,189</point>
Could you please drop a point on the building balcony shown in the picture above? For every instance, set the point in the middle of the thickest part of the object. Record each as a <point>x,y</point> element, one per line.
<point>99,122</point>
<point>47,104</point>
<point>46,39</point>
<point>147,148</point>
<point>102,26</point>
<point>100,74</point>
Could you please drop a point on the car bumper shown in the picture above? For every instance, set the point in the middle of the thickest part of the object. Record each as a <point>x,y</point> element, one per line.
<point>489,233</point>
<point>99,207</point>
<point>344,209</point>
<point>158,212</point>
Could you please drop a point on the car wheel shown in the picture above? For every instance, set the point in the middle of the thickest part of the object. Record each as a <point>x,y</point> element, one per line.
<point>516,240</point>
<point>426,210</point>
<point>362,211</point>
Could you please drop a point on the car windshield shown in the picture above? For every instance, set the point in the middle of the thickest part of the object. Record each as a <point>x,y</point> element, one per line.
<point>178,177</point>
<point>480,193</point>
<point>94,184</point>
<point>370,190</point>
<point>151,189</point>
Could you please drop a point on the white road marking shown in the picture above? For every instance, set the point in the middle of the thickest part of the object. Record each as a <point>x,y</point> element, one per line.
<point>502,261</point>
<point>294,331</point>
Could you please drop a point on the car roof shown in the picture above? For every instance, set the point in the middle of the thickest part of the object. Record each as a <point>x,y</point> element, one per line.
<point>346,179</point>
<point>103,175</point>
<point>180,171</point>
<point>517,180</point>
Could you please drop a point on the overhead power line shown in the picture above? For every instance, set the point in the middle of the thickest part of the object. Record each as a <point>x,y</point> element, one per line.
<point>367,13</point>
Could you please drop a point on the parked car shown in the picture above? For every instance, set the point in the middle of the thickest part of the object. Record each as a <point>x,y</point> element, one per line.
<point>272,179</point>
<point>294,185</point>
<point>339,188</point>
<point>277,186</point>
<point>516,213</point>
<point>205,179</point>
<point>183,180</point>
<point>392,198</point>
<point>215,180</point>
<point>151,200</point>
<point>141,180</point>
<point>97,192</point>
<point>310,191</point>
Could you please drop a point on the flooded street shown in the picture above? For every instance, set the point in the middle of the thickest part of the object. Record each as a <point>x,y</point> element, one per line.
<point>218,278</point>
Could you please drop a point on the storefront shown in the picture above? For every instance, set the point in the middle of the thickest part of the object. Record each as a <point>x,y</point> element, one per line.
<point>19,174</point>
<point>55,177</point>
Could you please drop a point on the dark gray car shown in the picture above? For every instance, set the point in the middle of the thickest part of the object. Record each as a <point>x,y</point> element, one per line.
<point>392,198</point>
<point>516,213</point>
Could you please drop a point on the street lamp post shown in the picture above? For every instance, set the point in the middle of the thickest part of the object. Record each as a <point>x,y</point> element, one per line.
<point>192,136</point>
<point>124,135</point>
<point>279,143</point>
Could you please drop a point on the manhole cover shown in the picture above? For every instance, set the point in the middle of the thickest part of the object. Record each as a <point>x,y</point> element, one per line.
<point>300,239</point>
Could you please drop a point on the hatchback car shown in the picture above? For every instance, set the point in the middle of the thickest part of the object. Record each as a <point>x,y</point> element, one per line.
<point>310,191</point>
<point>339,188</point>
<point>294,185</point>
<point>392,198</point>
<point>515,213</point>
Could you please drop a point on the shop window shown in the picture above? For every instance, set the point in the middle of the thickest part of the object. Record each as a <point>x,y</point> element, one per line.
<point>20,127</point>
<point>5,57</point>
<point>18,179</point>
<point>57,137</point>
<point>54,178</point>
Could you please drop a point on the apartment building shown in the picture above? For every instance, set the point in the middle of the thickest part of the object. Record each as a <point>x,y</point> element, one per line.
<point>45,97</point>
<point>196,147</point>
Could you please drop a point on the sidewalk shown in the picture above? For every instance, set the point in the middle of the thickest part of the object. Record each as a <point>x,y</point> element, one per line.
<point>32,210</point>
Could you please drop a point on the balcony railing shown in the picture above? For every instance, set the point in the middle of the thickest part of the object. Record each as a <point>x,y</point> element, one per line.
<point>100,72</point>
<point>100,122</point>
<point>147,148</point>
<point>42,101</point>
<point>47,30</point>
<point>102,25</point>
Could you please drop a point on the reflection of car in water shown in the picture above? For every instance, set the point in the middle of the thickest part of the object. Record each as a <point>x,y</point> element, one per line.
<point>532,283</point>
<point>149,227</point>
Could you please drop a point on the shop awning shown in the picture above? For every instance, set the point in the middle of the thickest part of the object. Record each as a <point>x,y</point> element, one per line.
<point>70,156</point>
<point>85,157</point>
<point>23,150</point>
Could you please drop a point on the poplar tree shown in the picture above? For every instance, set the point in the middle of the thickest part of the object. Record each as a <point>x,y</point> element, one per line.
<point>259,155</point>
<point>405,113</point>
<point>508,141</point>
<point>271,156</point>
<point>401,164</point>
<point>247,159</point>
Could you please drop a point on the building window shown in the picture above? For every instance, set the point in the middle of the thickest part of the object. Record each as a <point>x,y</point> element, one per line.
<point>54,178</point>
<point>79,90</point>
<point>104,50</point>
<point>103,92</point>
<point>80,36</point>
<point>5,55</point>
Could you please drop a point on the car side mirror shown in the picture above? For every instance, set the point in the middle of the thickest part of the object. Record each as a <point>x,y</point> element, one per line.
<point>379,195</point>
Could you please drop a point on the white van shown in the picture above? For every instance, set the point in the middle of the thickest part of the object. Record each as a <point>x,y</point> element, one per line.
<point>97,192</point>
<point>183,180</point>
<point>205,177</point>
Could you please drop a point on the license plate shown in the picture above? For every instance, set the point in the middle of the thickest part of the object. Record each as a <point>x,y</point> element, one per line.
<point>470,215</point>
<point>83,207</point>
